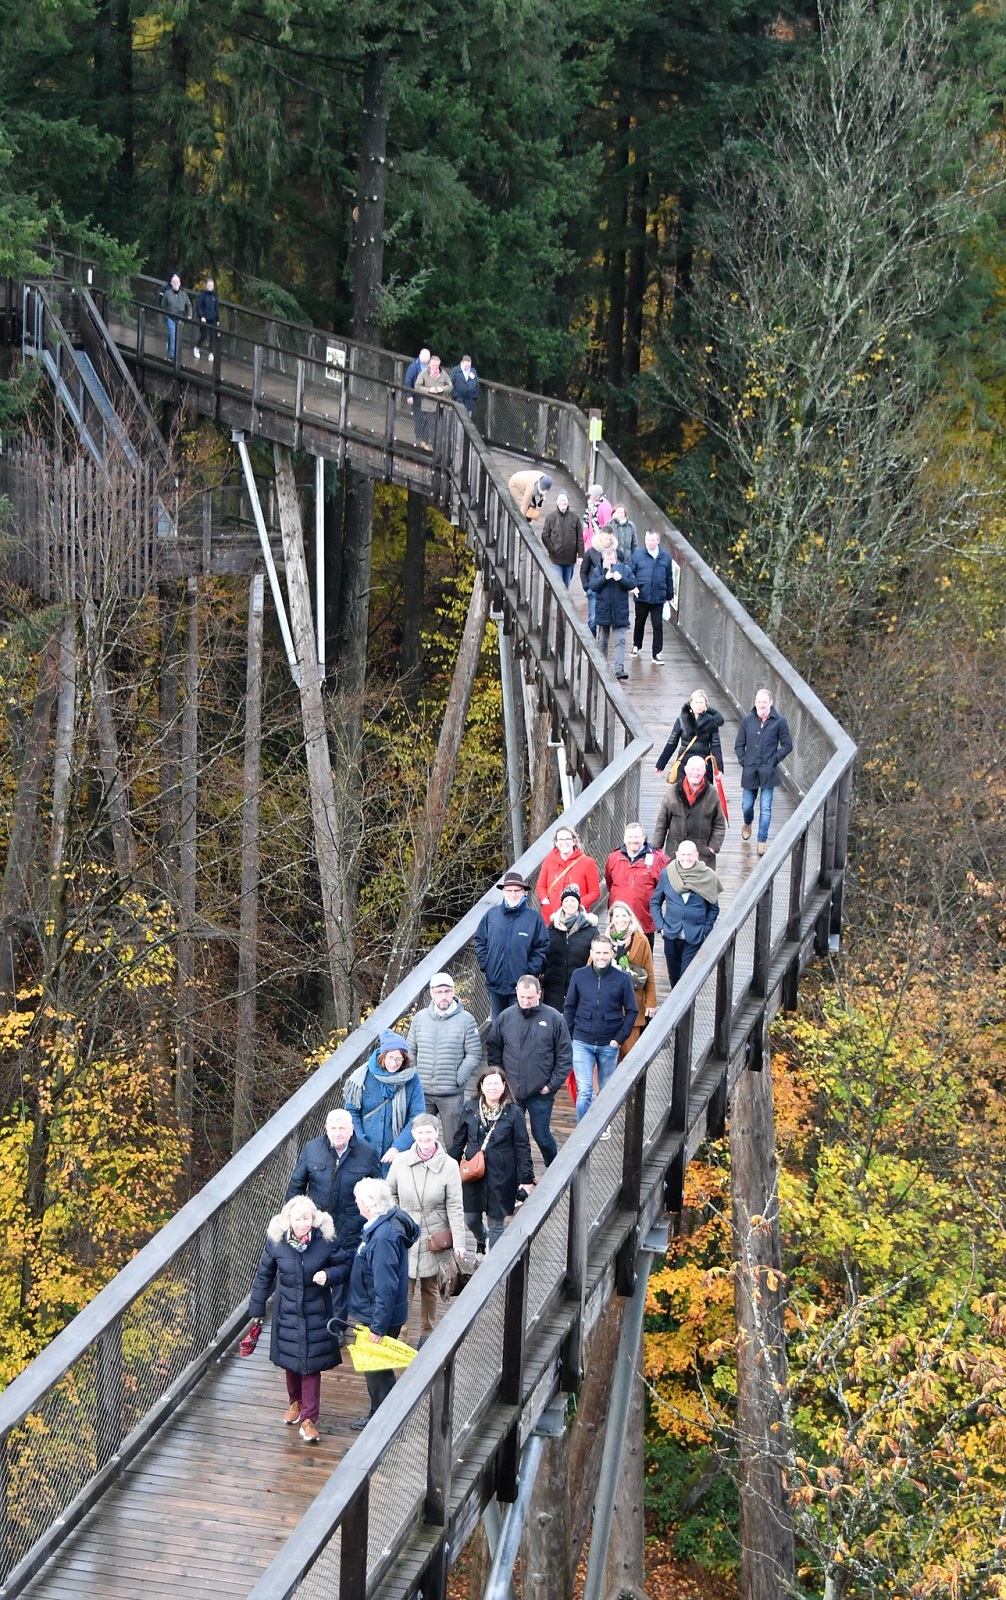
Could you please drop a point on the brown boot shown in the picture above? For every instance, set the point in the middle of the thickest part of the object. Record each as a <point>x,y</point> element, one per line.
<point>292,1413</point>
<point>308,1431</point>
<point>762,849</point>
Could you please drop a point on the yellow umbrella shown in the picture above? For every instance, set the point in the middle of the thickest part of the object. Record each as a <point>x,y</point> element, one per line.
<point>368,1355</point>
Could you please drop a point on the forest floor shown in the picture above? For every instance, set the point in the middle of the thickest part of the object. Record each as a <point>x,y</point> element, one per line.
<point>668,1577</point>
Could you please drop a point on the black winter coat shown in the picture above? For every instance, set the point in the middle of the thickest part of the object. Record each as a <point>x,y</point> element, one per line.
<point>611,608</point>
<point>508,1158</point>
<point>567,950</point>
<point>562,536</point>
<point>300,1340</point>
<point>532,1048</point>
<point>379,1283</point>
<point>704,729</point>
<point>330,1183</point>
<point>760,746</point>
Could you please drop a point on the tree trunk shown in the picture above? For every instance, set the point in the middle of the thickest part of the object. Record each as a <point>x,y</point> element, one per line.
<point>624,1566</point>
<point>545,1568</point>
<point>328,840</point>
<point>62,765</point>
<point>586,1437</point>
<point>116,793</point>
<point>616,262</point>
<point>767,1555</point>
<point>185,1048</point>
<point>430,823</point>
<point>244,1055</point>
<point>20,849</point>
<point>413,584</point>
<point>371,199</point>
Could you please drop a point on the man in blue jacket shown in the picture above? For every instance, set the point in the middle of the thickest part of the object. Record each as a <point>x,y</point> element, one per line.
<point>600,1014</point>
<point>654,575</point>
<point>414,401</point>
<point>763,741</point>
<point>510,940</point>
<point>329,1169</point>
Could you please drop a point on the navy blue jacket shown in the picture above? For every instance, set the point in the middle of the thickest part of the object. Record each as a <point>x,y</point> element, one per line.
<point>466,393</point>
<point>208,306</point>
<point>611,609</point>
<point>379,1284</point>
<point>510,943</point>
<point>760,746</point>
<point>600,1005</point>
<point>300,1340</point>
<point>329,1182</point>
<point>412,372</point>
<point>691,920</point>
<point>654,575</point>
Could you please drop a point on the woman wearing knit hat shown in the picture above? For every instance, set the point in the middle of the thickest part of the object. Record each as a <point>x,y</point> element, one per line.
<point>383,1097</point>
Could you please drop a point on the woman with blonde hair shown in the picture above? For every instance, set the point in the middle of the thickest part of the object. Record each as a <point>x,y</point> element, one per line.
<point>301,1261</point>
<point>697,730</point>
<point>631,951</point>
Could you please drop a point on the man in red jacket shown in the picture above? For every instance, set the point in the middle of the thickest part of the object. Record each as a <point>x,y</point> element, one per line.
<point>631,874</point>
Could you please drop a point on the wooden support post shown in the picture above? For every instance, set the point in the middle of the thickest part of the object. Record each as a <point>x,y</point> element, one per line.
<point>243,1125</point>
<point>767,1553</point>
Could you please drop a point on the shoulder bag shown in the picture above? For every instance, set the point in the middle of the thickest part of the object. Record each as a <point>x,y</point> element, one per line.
<point>676,766</point>
<point>473,1168</point>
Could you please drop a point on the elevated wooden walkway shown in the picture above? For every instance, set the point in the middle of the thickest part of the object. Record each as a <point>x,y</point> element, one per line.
<point>161,1450</point>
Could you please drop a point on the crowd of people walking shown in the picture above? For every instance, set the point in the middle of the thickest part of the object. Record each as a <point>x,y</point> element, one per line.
<point>431,1153</point>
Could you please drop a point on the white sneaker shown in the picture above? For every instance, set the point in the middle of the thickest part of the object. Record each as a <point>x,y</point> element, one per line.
<point>635,649</point>
<point>209,356</point>
<point>658,661</point>
<point>196,354</point>
<point>605,1135</point>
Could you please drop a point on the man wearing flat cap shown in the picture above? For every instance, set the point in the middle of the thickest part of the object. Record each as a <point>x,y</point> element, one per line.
<point>511,940</point>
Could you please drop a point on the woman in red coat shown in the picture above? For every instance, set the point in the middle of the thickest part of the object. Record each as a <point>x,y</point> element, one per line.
<point>566,864</point>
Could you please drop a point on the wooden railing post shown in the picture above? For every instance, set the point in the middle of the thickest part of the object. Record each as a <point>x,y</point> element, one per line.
<point>439,1461</point>
<point>575,1287</point>
<point>794,920</point>
<point>355,1537</point>
<point>512,1375</point>
<point>674,1184</point>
